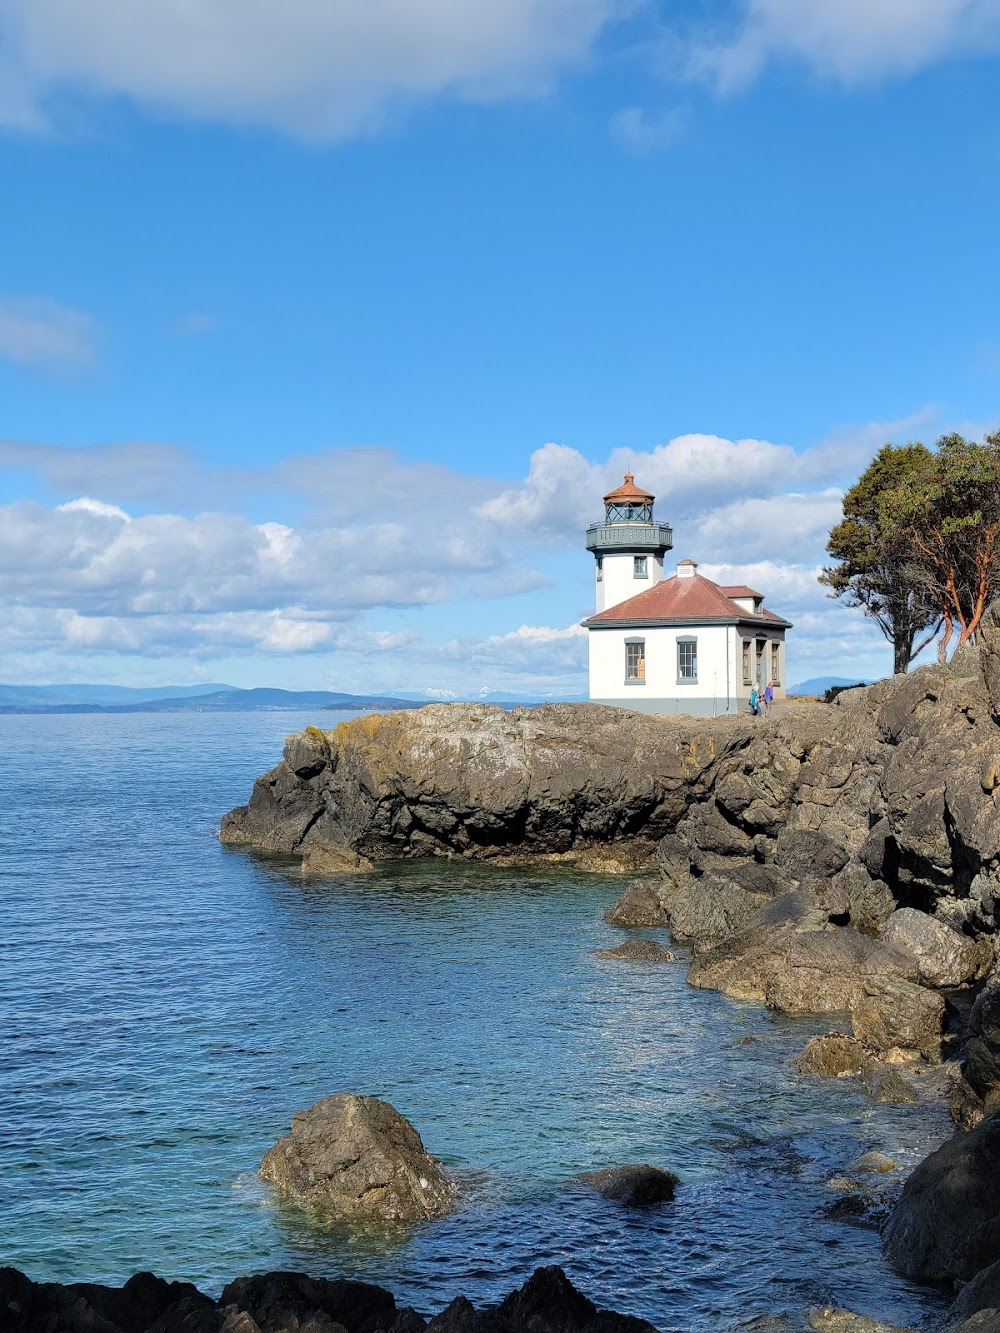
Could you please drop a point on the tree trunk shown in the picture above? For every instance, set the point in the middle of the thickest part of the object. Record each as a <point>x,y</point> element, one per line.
<point>902,651</point>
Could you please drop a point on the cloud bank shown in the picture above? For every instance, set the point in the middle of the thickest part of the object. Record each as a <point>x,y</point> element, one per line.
<point>319,69</point>
<point>331,69</point>
<point>91,578</point>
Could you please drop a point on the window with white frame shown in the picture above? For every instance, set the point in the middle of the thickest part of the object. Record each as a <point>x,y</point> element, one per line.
<point>776,663</point>
<point>639,567</point>
<point>687,661</point>
<point>600,568</point>
<point>747,665</point>
<point>635,661</point>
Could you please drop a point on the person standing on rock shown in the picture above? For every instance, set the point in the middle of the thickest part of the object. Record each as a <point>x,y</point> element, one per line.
<point>768,698</point>
<point>754,702</point>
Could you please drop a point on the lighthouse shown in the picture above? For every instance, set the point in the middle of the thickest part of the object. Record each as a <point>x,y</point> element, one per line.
<point>677,642</point>
<point>628,546</point>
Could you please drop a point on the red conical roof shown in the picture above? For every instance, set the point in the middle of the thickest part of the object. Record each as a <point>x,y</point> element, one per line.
<point>629,493</point>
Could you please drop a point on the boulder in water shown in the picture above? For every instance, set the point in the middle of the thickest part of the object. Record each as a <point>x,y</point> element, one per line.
<point>635,1186</point>
<point>946,1225</point>
<point>357,1160</point>
<point>639,905</point>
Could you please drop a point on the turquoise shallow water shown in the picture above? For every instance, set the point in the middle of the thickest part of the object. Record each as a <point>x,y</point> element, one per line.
<point>168,1003</point>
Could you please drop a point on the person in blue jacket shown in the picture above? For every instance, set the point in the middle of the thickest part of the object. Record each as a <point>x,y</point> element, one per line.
<point>754,702</point>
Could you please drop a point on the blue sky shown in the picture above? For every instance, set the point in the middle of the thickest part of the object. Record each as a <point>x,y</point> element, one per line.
<point>324,326</point>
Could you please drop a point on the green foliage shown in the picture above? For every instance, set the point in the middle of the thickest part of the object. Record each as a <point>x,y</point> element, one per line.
<point>876,560</point>
<point>919,544</point>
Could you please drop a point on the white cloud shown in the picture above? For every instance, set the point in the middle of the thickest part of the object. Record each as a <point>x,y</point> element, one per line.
<point>318,68</point>
<point>780,525</point>
<point>850,40</point>
<point>34,332</point>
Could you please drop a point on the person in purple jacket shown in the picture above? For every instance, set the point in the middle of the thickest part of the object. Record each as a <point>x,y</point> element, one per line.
<point>768,698</point>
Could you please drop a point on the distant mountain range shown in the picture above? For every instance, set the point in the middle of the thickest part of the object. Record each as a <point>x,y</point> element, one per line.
<point>209,699</point>
<point>820,684</point>
<point>179,699</point>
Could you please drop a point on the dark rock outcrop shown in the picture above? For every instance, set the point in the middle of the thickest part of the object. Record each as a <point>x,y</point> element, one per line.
<point>946,1225</point>
<point>291,1303</point>
<point>357,1160</point>
<point>639,905</point>
<point>635,1186</point>
<point>279,1301</point>
<point>981,1294</point>
<point>982,1047</point>
<point>144,1302</point>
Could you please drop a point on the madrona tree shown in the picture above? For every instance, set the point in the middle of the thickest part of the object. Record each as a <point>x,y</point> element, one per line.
<point>919,545</point>
<point>876,563</point>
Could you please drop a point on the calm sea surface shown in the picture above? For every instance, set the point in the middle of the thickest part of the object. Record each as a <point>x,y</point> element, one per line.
<point>167,1004</point>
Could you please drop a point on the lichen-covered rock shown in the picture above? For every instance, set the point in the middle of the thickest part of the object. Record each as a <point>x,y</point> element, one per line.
<point>635,1186</point>
<point>357,1160</point>
<point>480,781</point>
<point>946,1225</point>
<point>886,799</point>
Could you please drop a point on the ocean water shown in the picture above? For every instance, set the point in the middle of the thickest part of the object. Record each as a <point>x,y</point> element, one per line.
<point>166,1004</point>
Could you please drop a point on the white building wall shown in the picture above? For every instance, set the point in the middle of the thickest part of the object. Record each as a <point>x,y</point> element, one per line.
<point>714,691</point>
<point>618,581</point>
<point>719,689</point>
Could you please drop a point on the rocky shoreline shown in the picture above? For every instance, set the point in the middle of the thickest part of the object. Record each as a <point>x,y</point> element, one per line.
<point>841,859</point>
<point>291,1303</point>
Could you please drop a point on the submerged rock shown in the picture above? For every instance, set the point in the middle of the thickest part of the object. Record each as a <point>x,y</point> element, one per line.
<point>357,1160</point>
<point>635,1186</point>
<point>638,951</point>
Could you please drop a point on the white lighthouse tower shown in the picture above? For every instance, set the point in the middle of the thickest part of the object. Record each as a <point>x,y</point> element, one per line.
<point>628,546</point>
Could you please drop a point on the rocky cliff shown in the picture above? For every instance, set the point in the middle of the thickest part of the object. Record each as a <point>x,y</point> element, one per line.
<point>885,799</point>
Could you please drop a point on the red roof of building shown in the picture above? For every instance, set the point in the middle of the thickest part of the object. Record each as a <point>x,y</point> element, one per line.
<point>740,590</point>
<point>628,492</point>
<point>688,600</point>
